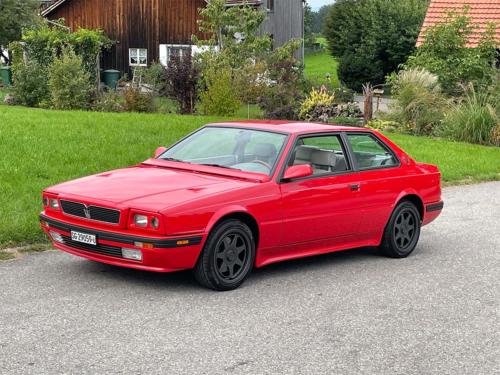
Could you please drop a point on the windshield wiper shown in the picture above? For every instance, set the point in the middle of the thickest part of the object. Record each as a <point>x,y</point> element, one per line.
<point>221,166</point>
<point>176,160</point>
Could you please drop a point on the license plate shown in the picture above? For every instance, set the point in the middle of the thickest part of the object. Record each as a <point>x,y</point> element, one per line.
<point>86,238</point>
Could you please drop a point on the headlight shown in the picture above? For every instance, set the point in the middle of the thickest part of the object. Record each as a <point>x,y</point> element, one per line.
<point>141,221</point>
<point>54,204</point>
<point>155,223</point>
<point>45,201</point>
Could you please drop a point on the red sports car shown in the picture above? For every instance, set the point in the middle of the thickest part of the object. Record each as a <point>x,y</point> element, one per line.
<point>233,196</point>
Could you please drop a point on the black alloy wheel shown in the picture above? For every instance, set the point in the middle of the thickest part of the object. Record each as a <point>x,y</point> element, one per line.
<point>231,254</point>
<point>405,229</point>
<point>402,232</point>
<point>227,257</point>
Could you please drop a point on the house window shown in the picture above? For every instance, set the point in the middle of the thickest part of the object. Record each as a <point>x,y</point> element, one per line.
<point>167,51</point>
<point>138,57</point>
<point>270,5</point>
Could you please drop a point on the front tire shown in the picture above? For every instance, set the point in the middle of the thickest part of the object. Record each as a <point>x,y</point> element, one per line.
<point>227,257</point>
<point>402,231</point>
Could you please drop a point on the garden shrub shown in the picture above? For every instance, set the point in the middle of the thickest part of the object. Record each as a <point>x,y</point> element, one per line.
<point>321,106</point>
<point>349,121</point>
<point>109,101</point>
<point>343,94</point>
<point>282,98</point>
<point>44,43</point>
<point>445,53</point>
<point>138,101</point>
<point>69,82</point>
<point>219,98</point>
<point>350,110</point>
<point>151,77</point>
<point>180,83</point>
<point>420,104</point>
<point>495,136</point>
<point>30,83</point>
<point>317,106</point>
<point>251,81</point>
<point>383,125</point>
<point>473,120</point>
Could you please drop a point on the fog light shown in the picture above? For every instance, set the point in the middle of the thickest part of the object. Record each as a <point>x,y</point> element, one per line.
<point>56,236</point>
<point>132,254</point>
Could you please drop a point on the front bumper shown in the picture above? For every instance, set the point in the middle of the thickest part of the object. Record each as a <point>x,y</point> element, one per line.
<point>167,254</point>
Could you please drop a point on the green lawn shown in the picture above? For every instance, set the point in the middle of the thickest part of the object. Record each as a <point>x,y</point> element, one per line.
<point>318,65</point>
<point>459,162</point>
<point>40,148</point>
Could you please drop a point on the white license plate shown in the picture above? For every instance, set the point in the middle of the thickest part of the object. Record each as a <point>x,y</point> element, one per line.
<point>89,239</point>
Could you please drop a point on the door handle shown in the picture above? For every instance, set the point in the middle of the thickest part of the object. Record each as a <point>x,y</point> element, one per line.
<point>354,187</point>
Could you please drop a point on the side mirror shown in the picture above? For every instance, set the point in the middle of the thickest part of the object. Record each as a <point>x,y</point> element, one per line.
<point>298,171</point>
<point>159,151</point>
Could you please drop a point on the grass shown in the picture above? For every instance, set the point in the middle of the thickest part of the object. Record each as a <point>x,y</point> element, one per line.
<point>318,65</point>
<point>6,256</point>
<point>40,148</point>
<point>459,162</point>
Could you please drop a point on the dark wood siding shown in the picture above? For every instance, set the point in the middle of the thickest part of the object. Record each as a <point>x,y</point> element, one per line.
<point>133,24</point>
<point>285,22</point>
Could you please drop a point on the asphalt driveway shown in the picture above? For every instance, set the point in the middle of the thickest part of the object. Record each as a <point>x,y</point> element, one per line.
<point>436,312</point>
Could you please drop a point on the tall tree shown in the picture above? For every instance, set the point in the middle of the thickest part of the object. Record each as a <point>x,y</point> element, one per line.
<point>14,16</point>
<point>319,18</point>
<point>371,38</point>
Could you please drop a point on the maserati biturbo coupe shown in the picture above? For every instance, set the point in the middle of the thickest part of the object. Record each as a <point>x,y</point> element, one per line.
<point>233,196</point>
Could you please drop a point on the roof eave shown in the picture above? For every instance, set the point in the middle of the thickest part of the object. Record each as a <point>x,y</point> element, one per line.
<point>51,8</point>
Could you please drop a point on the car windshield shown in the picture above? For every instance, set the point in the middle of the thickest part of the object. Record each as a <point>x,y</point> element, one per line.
<point>240,149</point>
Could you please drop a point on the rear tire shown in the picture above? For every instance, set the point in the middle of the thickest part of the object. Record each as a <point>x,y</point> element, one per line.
<point>227,257</point>
<point>402,231</point>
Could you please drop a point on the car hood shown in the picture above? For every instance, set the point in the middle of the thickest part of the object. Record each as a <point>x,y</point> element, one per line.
<point>146,187</point>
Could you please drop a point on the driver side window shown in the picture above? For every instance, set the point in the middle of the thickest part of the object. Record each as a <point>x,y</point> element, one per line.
<point>325,154</point>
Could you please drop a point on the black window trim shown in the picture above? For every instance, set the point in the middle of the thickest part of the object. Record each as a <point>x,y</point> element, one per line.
<point>343,143</point>
<point>379,141</point>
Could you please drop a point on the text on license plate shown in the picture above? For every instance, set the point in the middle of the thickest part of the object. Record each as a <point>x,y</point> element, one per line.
<point>84,238</point>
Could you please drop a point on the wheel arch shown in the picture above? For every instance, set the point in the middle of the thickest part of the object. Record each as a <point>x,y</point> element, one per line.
<point>238,213</point>
<point>414,198</point>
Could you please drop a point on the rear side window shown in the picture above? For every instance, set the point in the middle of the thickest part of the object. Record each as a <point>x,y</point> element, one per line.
<point>370,153</point>
<point>325,154</point>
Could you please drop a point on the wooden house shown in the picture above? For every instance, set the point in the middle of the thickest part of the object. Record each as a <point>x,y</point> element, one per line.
<point>144,31</point>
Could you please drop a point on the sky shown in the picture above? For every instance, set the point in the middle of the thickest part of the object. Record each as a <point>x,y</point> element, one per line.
<point>316,4</point>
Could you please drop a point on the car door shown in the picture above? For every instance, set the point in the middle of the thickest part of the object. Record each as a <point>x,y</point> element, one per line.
<point>325,205</point>
<point>380,181</point>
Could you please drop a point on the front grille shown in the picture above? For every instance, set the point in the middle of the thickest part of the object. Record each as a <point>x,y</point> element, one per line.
<point>111,251</point>
<point>96,213</point>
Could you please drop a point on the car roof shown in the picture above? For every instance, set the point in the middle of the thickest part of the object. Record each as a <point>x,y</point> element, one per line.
<point>290,127</point>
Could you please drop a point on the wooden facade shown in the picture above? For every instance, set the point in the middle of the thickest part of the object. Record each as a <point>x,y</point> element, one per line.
<point>285,21</point>
<point>130,24</point>
<point>152,24</point>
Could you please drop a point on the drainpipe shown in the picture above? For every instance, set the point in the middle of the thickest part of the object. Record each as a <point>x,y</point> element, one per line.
<point>303,32</point>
